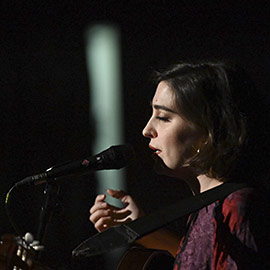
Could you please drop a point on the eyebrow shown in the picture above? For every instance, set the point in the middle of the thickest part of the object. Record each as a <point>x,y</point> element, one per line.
<point>162,107</point>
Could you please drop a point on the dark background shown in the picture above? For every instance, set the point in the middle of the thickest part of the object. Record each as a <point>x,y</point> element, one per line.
<point>45,94</point>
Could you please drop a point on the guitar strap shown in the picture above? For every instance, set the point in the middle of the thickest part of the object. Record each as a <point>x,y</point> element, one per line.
<point>125,234</point>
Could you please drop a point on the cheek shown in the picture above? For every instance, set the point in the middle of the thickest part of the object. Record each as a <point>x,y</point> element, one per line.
<point>181,138</point>
<point>183,145</point>
<point>175,151</point>
<point>185,135</point>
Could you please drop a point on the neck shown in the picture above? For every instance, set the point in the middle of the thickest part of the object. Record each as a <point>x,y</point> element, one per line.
<point>197,183</point>
<point>202,183</point>
<point>207,183</point>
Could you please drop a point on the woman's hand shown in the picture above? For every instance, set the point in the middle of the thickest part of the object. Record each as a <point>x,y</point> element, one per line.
<point>104,215</point>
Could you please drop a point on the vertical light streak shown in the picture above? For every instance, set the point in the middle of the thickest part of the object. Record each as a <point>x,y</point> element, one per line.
<point>104,70</point>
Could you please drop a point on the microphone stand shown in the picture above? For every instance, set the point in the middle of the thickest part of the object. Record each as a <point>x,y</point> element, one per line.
<point>51,191</point>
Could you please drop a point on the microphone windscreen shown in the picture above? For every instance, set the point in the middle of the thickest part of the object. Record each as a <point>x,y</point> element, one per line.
<point>117,156</point>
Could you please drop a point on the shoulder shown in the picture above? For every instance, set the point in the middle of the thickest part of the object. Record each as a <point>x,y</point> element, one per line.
<point>239,234</point>
<point>239,199</point>
<point>236,206</point>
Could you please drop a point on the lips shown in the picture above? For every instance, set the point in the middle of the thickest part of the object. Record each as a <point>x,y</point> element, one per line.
<point>159,164</point>
<point>156,151</point>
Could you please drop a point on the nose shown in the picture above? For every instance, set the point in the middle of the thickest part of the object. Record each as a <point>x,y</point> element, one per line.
<point>149,131</point>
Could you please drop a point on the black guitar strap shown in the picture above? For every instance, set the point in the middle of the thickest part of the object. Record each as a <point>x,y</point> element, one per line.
<point>123,235</point>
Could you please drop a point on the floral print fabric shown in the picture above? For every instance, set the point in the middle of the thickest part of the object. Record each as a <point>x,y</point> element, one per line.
<point>218,237</point>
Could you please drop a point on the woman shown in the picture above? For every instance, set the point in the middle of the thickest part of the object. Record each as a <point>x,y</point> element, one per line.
<point>202,130</point>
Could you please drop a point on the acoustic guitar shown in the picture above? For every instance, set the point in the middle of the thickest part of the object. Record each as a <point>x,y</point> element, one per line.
<point>137,258</point>
<point>15,254</point>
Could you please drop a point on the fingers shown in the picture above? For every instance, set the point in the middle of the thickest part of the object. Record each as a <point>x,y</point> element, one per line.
<point>102,219</point>
<point>98,214</point>
<point>108,211</point>
<point>102,224</point>
<point>121,214</point>
<point>100,198</point>
<point>105,223</point>
<point>118,194</point>
<point>97,206</point>
<point>103,215</point>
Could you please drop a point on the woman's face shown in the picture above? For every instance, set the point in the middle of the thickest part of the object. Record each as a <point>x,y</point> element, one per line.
<point>172,138</point>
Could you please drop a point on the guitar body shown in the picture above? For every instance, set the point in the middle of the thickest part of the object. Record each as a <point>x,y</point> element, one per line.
<point>146,259</point>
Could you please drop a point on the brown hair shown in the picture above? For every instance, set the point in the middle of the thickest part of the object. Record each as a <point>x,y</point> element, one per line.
<point>217,98</point>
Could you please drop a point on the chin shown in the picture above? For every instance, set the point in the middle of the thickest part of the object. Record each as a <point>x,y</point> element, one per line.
<point>159,168</point>
<point>162,169</point>
<point>180,172</point>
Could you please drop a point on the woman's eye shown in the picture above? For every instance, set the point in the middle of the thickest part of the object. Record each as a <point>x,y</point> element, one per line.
<point>165,119</point>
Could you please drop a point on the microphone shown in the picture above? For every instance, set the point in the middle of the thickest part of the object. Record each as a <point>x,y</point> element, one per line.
<point>115,157</point>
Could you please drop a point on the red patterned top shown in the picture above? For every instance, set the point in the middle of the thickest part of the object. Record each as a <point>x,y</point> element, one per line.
<point>219,236</point>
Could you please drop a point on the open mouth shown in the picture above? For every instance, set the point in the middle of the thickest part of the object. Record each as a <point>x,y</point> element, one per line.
<point>156,151</point>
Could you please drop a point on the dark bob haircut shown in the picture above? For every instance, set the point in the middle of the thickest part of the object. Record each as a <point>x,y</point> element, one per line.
<point>220,100</point>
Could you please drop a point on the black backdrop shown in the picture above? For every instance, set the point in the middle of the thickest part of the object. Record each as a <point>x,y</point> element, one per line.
<point>45,93</point>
